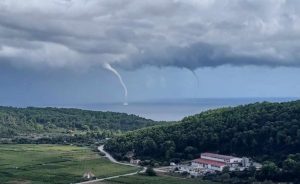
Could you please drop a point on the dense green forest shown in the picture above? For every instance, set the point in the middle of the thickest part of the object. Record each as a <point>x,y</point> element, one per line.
<point>265,131</point>
<point>23,121</point>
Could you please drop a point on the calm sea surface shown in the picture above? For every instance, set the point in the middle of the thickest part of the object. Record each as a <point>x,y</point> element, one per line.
<point>173,110</point>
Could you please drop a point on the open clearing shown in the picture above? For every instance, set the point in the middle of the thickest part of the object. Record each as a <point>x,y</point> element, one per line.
<point>142,179</point>
<point>37,164</point>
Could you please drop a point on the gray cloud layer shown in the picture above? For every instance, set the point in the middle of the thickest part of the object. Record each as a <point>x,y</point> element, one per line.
<point>135,33</point>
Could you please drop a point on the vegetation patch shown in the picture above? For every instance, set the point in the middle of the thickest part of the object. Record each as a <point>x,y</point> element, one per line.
<point>48,164</point>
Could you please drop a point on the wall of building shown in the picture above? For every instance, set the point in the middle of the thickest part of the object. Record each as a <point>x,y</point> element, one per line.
<point>235,160</point>
<point>207,166</point>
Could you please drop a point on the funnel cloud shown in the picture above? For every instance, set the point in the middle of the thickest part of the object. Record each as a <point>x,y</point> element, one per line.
<point>115,72</point>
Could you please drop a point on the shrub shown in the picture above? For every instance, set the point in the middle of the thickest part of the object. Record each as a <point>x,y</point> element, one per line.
<point>150,171</point>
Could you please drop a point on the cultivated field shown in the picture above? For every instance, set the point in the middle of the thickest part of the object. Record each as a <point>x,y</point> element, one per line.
<point>37,164</point>
<point>140,179</point>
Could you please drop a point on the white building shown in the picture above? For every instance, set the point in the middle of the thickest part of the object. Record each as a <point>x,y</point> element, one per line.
<point>221,158</point>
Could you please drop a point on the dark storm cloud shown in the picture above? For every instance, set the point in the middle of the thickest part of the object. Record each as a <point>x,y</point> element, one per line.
<point>133,34</point>
<point>201,55</point>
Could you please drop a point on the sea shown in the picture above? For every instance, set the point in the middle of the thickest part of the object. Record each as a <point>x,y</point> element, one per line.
<point>175,109</point>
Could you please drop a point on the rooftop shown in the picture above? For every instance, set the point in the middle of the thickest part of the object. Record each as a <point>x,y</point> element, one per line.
<point>213,155</point>
<point>210,162</point>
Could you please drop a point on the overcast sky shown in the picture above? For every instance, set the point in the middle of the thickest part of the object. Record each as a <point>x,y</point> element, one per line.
<point>71,51</point>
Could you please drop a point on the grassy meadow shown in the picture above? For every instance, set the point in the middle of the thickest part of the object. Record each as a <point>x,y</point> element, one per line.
<point>37,164</point>
<point>141,179</point>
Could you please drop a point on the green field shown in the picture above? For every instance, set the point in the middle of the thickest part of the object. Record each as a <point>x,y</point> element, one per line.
<point>37,164</point>
<point>141,179</point>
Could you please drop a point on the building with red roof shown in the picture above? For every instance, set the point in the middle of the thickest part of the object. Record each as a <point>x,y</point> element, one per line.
<point>208,164</point>
<point>216,162</point>
<point>221,158</point>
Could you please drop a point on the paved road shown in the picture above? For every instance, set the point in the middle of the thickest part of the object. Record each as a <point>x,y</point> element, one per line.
<point>108,156</point>
<point>112,177</point>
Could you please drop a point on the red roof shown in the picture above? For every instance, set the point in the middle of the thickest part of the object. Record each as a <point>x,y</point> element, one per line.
<point>213,155</point>
<point>210,162</point>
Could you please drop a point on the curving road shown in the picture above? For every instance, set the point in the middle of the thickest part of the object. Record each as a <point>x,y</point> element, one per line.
<point>101,149</point>
<point>108,156</point>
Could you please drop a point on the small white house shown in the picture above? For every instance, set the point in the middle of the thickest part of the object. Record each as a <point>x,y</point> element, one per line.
<point>172,164</point>
<point>135,162</point>
<point>88,175</point>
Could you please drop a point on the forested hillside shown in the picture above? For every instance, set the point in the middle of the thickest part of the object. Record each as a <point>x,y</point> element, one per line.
<point>265,131</point>
<point>16,121</point>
